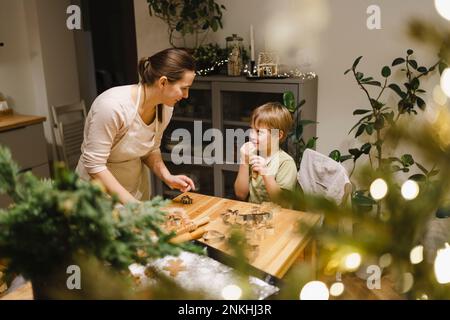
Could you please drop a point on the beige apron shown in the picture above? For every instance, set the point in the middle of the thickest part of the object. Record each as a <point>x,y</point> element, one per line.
<point>125,162</point>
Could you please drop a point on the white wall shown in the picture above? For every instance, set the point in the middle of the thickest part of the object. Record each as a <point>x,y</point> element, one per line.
<point>333,33</point>
<point>38,66</point>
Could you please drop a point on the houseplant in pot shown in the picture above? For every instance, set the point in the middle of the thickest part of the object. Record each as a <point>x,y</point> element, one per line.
<point>185,18</point>
<point>53,225</point>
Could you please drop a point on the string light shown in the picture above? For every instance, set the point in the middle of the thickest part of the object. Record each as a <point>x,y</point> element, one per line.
<point>407,282</point>
<point>314,290</point>
<point>443,8</point>
<point>445,82</point>
<point>337,289</point>
<point>410,190</point>
<point>378,189</point>
<point>385,260</point>
<point>352,261</point>
<point>416,255</point>
<point>442,265</point>
<point>231,292</point>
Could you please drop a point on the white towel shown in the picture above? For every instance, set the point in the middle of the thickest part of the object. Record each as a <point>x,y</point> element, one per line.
<point>322,175</point>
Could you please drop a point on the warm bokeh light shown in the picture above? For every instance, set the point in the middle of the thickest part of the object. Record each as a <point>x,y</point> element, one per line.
<point>337,289</point>
<point>385,260</point>
<point>314,290</point>
<point>443,8</point>
<point>231,292</point>
<point>352,261</point>
<point>407,282</point>
<point>410,190</point>
<point>378,189</point>
<point>445,82</point>
<point>416,255</point>
<point>442,265</point>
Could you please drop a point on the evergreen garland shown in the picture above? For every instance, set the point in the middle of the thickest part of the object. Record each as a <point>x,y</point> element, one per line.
<point>52,221</point>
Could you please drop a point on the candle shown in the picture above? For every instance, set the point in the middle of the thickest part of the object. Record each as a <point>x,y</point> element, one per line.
<point>252,43</point>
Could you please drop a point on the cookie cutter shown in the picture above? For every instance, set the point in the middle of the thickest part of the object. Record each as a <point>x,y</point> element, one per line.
<point>212,236</point>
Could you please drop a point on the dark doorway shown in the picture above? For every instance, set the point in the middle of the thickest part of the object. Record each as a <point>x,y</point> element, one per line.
<point>112,25</point>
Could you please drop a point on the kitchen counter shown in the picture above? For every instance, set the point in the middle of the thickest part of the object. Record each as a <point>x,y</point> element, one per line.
<point>13,121</point>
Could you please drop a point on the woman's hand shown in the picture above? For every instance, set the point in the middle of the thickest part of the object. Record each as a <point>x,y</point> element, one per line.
<point>180,182</point>
<point>259,165</point>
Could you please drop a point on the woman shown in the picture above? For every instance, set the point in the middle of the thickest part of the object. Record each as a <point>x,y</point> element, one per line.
<point>125,125</point>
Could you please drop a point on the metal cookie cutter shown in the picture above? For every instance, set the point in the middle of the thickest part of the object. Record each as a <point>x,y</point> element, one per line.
<point>213,236</point>
<point>229,216</point>
<point>186,200</point>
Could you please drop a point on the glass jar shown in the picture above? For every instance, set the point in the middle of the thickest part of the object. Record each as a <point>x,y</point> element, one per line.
<point>235,51</point>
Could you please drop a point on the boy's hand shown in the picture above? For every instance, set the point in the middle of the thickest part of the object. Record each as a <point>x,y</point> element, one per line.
<point>247,150</point>
<point>259,165</point>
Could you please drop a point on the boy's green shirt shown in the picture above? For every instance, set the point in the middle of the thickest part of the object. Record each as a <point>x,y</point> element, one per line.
<point>282,166</point>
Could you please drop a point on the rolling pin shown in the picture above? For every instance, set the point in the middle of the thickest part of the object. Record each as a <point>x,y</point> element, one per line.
<point>188,236</point>
<point>195,224</point>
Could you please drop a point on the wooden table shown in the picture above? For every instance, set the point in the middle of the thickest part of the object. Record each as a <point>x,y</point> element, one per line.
<point>277,251</point>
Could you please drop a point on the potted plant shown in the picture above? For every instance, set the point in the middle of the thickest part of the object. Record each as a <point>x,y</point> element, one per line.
<point>188,17</point>
<point>52,225</point>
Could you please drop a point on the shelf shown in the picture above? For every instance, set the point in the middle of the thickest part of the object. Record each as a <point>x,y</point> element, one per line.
<point>190,119</point>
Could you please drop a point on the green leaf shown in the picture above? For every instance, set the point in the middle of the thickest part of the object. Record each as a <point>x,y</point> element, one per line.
<point>397,90</point>
<point>398,61</point>
<point>421,103</point>
<point>365,148</point>
<point>369,129</point>
<point>335,155</point>
<point>361,111</point>
<point>433,173</point>
<point>420,91</point>
<point>301,103</point>
<point>368,117</point>
<point>356,153</point>
<point>379,123</point>
<point>355,64</point>
<point>345,158</point>
<point>367,79</point>
<point>422,69</point>
<point>361,200</point>
<point>422,168</point>
<point>373,83</point>
<point>413,63</point>
<point>359,75</point>
<point>418,177</point>
<point>407,160</point>
<point>289,101</point>
<point>360,130</point>
<point>311,144</point>
<point>376,104</point>
<point>410,52</point>
<point>307,122</point>
<point>386,71</point>
<point>415,83</point>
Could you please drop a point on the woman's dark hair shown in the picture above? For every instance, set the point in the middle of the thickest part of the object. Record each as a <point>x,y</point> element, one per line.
<point>171,63</point>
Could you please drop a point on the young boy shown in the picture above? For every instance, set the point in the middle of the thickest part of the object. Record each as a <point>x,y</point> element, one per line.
<point>265,170</point>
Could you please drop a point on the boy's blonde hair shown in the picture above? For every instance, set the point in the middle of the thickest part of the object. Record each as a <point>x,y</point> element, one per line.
<point>273,115</point>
